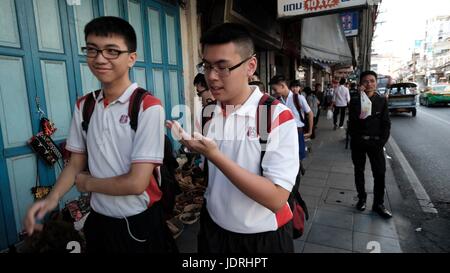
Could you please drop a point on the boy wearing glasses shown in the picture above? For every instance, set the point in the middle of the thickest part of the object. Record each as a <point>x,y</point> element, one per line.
<point>246,208</point>
<point>201,87</point>
<point>125,213</point>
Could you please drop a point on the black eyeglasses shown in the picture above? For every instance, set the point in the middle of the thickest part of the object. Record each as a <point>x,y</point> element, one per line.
<point>199,93</point>
<point>108,53</point>
<point>206,68</point>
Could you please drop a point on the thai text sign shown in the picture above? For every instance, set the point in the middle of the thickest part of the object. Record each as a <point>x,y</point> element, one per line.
<point>288,8</point>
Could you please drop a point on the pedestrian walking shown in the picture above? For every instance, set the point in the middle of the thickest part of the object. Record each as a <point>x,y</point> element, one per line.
<point>341,99</point>
<point>369,129</point>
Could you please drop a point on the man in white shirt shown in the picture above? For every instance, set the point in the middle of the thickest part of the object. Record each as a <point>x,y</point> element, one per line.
<point>246,208</point>
<point>341,98</point>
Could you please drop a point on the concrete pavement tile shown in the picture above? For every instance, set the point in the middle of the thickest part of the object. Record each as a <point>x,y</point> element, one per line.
<point>340,178</point>
<point>322,161</point>
<point>330,236</point>
<point>336,196</point>
<point>316,174</point>
<point>361,243</point>
<point>314,167</point>
<point>316,182</point>
<point>309,190</point>
<point>374,224</point>
<point>315,248</point>
<point>344,164</point>
<point>344,170</point>
<point>334,219</point>
<point>311,201</point>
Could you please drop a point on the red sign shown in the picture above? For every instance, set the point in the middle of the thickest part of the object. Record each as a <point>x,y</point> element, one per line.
<point>320,4</point>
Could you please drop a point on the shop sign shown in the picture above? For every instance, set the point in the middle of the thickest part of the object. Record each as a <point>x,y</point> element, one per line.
<point>350,23</point>
<point>287,8</point>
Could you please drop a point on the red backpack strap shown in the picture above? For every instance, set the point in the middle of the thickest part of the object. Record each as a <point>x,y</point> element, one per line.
<point>299,108</point>
<point>265,104</point>
<point>88,108</point>
<point>297,104</point>
<point>135,105</point>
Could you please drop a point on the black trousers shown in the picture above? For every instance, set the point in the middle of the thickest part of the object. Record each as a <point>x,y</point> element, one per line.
<point>106,234</point>
<point>339,110</point>
<point>214,239</point>
<point>374,150</point>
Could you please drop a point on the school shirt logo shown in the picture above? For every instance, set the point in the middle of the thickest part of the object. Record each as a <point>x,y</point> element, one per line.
<point>251,133</point>
<point>123,119</point>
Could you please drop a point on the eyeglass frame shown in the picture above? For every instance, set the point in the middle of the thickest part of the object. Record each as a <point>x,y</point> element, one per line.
<point>201,67</point>
<point>85,48</point>
<point>199,93</point>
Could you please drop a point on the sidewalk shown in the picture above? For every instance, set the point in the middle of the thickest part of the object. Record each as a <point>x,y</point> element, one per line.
<point>334,226</point>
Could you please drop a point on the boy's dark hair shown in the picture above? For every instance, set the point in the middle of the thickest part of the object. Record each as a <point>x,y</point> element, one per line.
<point>367,72</point>
<point>200,79</point>
<point>342,81</point>
<point>230,32</point>
<point>105,26</point>
<point>307,90</point>
<point>295,83</point>
<point>278,79</point>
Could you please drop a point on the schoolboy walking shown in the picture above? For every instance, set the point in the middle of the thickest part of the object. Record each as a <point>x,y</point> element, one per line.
<point>125,213</point>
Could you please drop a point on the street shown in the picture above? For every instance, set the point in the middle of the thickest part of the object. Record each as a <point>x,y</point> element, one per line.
<point>424,140</point>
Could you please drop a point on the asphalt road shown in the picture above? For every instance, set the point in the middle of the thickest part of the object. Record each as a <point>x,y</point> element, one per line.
<point>425,142</point>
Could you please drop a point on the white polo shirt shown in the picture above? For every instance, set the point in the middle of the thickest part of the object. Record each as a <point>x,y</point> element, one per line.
<point>236,137</point>
<point>341,96</point>
<point>113,146</point>
<point>289,102</point>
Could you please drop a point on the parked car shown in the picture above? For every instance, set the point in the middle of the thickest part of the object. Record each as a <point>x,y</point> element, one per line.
<point>401,97</point>
<point>436,94</point>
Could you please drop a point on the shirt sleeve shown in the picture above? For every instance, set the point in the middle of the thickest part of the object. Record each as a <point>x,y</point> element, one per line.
<point>304,104</point>
<point>148,144</point>
<point>280,163</point>
<point>76,142</point>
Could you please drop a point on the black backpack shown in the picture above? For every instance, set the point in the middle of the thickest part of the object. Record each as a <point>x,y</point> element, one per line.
<point>169,185</point>
<point>296,203</point>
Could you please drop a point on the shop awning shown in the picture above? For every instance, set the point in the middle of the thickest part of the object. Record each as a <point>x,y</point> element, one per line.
<point>323,40</point>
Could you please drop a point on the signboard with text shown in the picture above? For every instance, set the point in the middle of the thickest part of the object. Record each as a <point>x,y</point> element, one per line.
<point>350,23</point>
<point>287,8</point>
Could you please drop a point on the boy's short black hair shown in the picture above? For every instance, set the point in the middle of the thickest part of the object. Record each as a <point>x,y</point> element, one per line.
<point>367,72</point>
<point>230,32</point>
<point>307,90</point>
<point>295,83</point>
<point>200,79</point>
<point>278,79</point>
<point>342,81</point>
<point>105,26</point>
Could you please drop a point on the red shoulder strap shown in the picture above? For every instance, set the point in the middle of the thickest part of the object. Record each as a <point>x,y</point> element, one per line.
<point>134,106</point>
<point>88,108</point>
